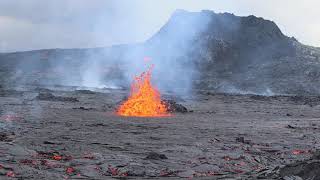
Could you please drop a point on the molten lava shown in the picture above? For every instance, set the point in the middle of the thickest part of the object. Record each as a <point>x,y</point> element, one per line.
<point>144,99</point>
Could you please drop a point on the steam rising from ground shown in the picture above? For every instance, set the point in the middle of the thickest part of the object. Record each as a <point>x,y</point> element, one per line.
<point>115,66</point>
<point>220,52</point>
<point>168,50</point>
<point>174,51</point>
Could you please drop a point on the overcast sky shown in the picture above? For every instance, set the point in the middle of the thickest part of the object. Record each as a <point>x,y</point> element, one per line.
<point>41,24</point>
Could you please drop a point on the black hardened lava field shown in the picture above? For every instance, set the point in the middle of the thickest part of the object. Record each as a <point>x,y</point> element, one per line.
<point>220,136</point>
<point>209,96</point>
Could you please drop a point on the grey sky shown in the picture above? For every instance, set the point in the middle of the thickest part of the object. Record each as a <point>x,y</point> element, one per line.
<point>38,24</point>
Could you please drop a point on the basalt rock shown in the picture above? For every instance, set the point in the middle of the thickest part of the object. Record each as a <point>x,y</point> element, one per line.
<point>175,107</point>
<point>306,100</point>
<point>50,97</point>
<point>6,137</point>
<point>304,170</point>
<point>85,91</point>
<point>156,156</point>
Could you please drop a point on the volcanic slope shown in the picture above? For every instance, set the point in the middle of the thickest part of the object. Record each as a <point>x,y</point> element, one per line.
<point>240,54</point>
<point>218,52</point>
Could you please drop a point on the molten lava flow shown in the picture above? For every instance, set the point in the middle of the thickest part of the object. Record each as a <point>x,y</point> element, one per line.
<point>144,99</point>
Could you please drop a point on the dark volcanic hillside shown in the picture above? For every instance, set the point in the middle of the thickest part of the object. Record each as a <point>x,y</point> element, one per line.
<point>243,54</point>
<point>219,52</point>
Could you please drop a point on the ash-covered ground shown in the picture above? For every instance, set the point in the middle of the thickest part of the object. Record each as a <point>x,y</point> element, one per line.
<point>64,133</point>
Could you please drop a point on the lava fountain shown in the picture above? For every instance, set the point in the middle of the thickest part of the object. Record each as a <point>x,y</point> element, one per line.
<point>144,99</point>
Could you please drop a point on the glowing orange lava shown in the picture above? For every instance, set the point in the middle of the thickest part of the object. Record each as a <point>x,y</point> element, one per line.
<point>144,99</point>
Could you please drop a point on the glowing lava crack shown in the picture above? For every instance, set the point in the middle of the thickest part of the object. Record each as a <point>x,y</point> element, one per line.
<point>144,99</point>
